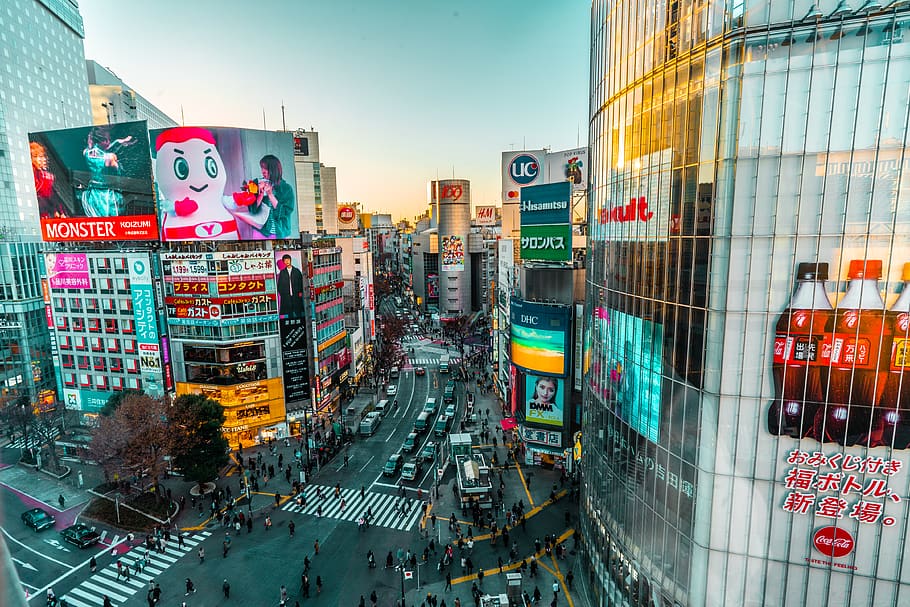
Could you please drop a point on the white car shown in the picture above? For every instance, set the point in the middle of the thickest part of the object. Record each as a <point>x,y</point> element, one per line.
<point>450,411</point>
<point>391,390</point>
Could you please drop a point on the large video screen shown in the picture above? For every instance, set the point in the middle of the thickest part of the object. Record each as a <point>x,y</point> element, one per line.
<point>289,280</point>
<point>545,397</point>
<point>539,336</point>
<point>225,184</point>
<point>634,351</point>
<point>94,183</point>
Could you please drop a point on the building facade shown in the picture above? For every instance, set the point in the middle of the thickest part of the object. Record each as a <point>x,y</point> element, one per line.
<point>452,198</point>
<point>115,101</point>
<point>42,86</point>
<point>744,432</point>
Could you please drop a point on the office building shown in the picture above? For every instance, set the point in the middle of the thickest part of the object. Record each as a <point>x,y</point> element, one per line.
<point>744,433</point>
<point>114,101</point>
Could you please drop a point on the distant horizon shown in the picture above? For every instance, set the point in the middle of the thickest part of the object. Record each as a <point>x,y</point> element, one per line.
<point>401,93</point>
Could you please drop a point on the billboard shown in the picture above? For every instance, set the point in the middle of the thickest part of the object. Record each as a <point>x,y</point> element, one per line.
<point>569,165</point>
<point>294,359</point>
<point>545,399</point>
<point>485,216</point>
<point>452,252</point>
<point>225,184</point>
<point>519,170</point>
<point>94,183</point>
<point>290,283</point>
<point>546,226</point>
<point>634,349</point>
<point>433,286</point>
<point>146,323</point>
<point>347,216</point>
<point>637,205</point>
<point>67,270</point>
<point>539,336</point>
<point>87,401</point>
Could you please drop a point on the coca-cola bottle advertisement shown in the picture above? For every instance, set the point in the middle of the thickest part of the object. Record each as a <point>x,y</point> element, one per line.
<point>841,368</point>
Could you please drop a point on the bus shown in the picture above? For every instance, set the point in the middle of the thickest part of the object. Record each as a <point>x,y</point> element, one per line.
<point>444,363</point>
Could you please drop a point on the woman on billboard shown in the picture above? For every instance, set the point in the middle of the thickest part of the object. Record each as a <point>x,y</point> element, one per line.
<point>270,215</point>
<point>544,395</point>
<point>100,153</point>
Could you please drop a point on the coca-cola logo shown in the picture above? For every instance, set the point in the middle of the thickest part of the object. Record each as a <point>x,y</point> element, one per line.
<point>833,542</point>
<point>903,321</point>
<point>851,318</point>
<point>800,318</point>
<point>346,214</point>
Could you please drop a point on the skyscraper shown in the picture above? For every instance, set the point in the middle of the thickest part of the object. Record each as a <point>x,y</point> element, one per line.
<point>744,444</point>
<point>42,86</point>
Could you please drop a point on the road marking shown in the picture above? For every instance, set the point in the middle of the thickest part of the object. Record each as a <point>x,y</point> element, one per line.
<point>70,572</point>
<point>368,462</point>
<point>30,549</point>
<point>23,564</point>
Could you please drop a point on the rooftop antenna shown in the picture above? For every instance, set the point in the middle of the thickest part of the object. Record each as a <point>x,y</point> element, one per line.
<point>524,144</point>
<point>284,126</point>
<point>182,118</point>
<point>263,120</point>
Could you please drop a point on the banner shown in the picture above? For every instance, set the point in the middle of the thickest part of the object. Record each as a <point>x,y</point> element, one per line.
<point>225,184</point>
<point>294,360</point>
<point>290,283</point>
<point>546,226</point>
<point>485,216</point>
<point>545,400</point>
<point>452,251</point>
<point>94,183</point>
<point>146,319</point>
<point>347,216</point>
<point>519,170</point>
<point>539,336</point>
<point>68,270</point>
<point>569,165</point>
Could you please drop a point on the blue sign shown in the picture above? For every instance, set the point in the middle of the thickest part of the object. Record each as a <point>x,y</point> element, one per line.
<point>548,204</point>
<point>524,169</point>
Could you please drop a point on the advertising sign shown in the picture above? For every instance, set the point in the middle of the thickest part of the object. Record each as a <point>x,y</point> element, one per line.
<point>225,184</point>
<point>636,206</point>
<point>67,270</point>
<point>452,253</point>
<point>87,401</point>
<point>578,355</point>
<point>634,351</point>
<point>294,361</point>
<point>545,398</point>
<point>289,281</point>
<point>519,170</point>
<point>433,286</point>
<point>146,321</point>
<point>539,336</point>
<point>347,216</point>
<point>485,216</point>
<point>569,165</point>
<point>546,226</point>
<point>94,183</point>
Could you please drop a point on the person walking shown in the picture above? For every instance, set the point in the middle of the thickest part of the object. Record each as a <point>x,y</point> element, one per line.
<point>316,547</point>
<point>201,554</point>
<point>570,577</point>
<point>268,523</point>
<point>448,581</point>
<point>93,565</point>
<point>190,588</point>
<point>291,527</point>
<point>108,603</point>
<point>226,589</point>
<point>373,598</point>
<point>318,585</point>
<point>284,594</point>
<point>555,590</point>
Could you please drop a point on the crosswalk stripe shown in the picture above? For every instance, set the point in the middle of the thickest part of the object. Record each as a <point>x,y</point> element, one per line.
<point>381,505</point>
<point>85,595</point>
<point>102,590</point>
<point>76,603</point>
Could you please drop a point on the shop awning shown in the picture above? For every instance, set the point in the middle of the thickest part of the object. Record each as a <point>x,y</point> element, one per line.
<point>508,423</point>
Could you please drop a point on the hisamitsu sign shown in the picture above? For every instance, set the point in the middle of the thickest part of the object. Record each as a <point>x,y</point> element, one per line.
<point>546,226</point>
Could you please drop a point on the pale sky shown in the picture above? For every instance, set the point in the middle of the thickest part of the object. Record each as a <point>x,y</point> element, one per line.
<point>400,92</point>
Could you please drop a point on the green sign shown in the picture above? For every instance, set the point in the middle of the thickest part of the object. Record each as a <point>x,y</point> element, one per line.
<point>546,242</point>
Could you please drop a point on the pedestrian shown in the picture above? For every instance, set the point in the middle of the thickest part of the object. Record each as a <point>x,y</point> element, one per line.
<point>448,581</point>
<point>499,562</point>
<point>190,588</point>
<point>93,565</point>
<point>284,594</point>
<point>318,585</point>
<point>373,598</point>
<point>480,575</point>
<point>126,572</point>
<point>316,547</point>
<point>62,501</point>
<point>291,528</point>
<point>305,584</point>
<point>226,589</point>
<point>277,499</point>
<point>108,603</point>
<point>119,569</point>
<point>555,590</point>
<point>570,577</point>
<point>249,524</point>
<point>180,543</point>
<point>362,492</point>
<point>343,503</point>
<point>201,554</point>
<point>268,523</point>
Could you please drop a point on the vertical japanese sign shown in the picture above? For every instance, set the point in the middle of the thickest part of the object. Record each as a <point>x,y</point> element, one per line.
<point>146,323</point>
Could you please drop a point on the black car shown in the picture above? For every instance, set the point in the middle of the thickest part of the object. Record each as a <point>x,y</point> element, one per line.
<point>81,535</point>
<point>38,519</point>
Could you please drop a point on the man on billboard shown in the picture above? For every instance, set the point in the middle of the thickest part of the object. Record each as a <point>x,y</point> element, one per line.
<point>290,289</point>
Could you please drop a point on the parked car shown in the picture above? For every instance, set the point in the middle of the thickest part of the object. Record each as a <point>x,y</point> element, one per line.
<point>427,453</point>
<point>394,464</point>
<point>38,519</point>
<point>81,535</point>
<point>392,390</point>
<point>410,443</point>
<point>420,371</point>
<point>410,471</point>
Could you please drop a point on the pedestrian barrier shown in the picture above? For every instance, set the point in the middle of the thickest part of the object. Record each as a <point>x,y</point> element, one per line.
<point>389,511</point>
<point>120,588</point>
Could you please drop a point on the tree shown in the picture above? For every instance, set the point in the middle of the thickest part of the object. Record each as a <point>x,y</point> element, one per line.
<point>133,440</point>
<point>18,416</point>
<point>387,353</point>
<point>200,449</point>
<point>46,424</point>
<point>115,400</point>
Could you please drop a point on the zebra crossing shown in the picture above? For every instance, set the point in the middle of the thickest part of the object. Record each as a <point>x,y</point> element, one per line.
<point>106,582</point>
<point>431,360</point>
<point>33,441</point>
<point>389,511</point>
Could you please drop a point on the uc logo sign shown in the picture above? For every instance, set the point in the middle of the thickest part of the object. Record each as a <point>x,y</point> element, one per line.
<point>524,169</point>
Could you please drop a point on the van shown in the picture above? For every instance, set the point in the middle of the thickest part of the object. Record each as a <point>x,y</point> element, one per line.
<point>444,363</point>
<point>449,394</point>
<point>382,407</point>
<point>422,423</point>
<point>442,425</point>
<point>394,373</point>
<point>430,405</point>
<point>370,423</point>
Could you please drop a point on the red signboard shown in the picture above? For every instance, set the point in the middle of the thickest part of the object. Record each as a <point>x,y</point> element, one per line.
<point>833,541</point>
<point>75,229</point>
<point>197,288</point>
<point>372,307</point>
<point>241,286</point>
<point>221,301</point>
<point>201,311</point>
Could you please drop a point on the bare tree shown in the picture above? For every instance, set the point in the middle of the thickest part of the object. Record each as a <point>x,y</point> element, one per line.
<point>46,425</point>
<point>18,415</point>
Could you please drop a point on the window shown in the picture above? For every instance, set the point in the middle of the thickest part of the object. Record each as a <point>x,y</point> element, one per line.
<point>63,323</point>
<point>83,362</point>
<point>75,305</point>
<point>110,325</point>
<point>94,325</point>
<point>117,383</point>
<point>123,285</point>
<point>99,364</point>
<point>78,324</point>
<point>107,285</point>
<point>132,365</point>
<point>133,383</point>
<point>80,343</point>
<point>126,306</point>
<point>85,380</point>
<point>91,304</point>
<point>65,343</point>
<point>69,379</point>
<point>68,361</point>
<point>97,344</point>
<point>110,305</point>
<point>117,364</point>
<point>129,327</point>
<point>129,346</point>
<point>101,382</point>
<point>113,344</point>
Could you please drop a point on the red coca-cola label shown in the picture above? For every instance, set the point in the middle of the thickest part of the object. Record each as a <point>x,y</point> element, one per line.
<point>801,349</point>
<point>849,351</point>
<point>833,541</point>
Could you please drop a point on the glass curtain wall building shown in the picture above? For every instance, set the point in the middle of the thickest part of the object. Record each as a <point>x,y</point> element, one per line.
<point>746,416</point>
